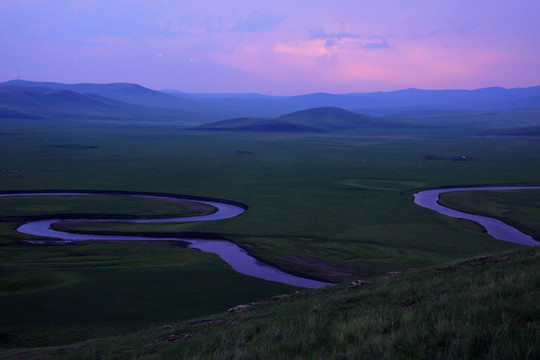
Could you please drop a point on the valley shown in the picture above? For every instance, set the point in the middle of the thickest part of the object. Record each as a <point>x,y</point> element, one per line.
<point>328,191</point>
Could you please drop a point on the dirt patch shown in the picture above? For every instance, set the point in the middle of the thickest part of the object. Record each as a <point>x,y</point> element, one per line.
<point>315,268</point>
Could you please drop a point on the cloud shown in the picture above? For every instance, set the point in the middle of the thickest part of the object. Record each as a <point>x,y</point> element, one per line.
<point>462,31</point>
<point>321,34</point>
<point>381,44</point>
<point>310,48</point>
<point>341,39</point>
<point>332,39</point>
<point>257,23</point>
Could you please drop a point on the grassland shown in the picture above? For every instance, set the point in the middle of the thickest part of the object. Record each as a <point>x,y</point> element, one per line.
<point>485,308</point>
<point>331,207</point>
<point>520,209</point>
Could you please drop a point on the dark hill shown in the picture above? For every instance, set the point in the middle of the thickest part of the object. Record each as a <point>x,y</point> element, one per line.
<point>14,114</point>
<point>125,92</point>
<point>50,103</point>
<point>332,118</point>
<point>321,119</point>
<point>70,98</point>
<point>256,124</point>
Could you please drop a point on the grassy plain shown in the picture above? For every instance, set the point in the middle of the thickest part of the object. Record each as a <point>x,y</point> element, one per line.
<point>100,205</point>
<point>334,207</point>
<point>520,209</point>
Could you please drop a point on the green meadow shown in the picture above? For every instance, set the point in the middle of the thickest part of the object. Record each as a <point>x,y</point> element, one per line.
<point>331,207</point>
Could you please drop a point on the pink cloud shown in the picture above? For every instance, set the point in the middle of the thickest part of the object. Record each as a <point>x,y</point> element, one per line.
<point>305,48</point>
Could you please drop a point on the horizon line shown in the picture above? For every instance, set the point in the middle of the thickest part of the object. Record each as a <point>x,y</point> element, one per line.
<point>266,94</point>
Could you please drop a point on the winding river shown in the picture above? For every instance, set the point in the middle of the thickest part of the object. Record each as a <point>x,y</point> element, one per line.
<point>237,257</point>
<point>231,253</point>
<point>496,228</point>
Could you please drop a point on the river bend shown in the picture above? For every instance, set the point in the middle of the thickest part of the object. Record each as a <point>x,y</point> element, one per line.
<point>231,253</point>
<point>496,228</point>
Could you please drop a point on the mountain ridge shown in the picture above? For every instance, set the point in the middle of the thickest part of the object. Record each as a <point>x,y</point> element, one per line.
<point>134,102</point>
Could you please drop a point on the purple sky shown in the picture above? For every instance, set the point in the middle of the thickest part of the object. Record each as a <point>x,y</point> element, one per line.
<point>274,47</point>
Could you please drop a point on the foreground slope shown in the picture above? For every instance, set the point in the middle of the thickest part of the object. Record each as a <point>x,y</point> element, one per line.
<point>481,308</point>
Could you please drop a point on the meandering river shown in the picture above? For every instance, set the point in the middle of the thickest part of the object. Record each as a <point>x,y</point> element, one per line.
<point>231,253</point>
<point>237,257</point>
<point>496,228</point>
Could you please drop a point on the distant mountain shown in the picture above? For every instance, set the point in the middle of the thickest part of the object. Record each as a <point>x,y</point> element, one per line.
<point>40,102</point>
<point>391,102</point>
<point>122,101</point>
<point>119,100</point>
<point>495,98</point>
<point>217,95</point>
<point>132,102</point>
<point>321,119</point>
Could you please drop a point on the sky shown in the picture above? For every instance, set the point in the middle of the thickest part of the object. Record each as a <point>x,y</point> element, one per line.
<point>278,47</point>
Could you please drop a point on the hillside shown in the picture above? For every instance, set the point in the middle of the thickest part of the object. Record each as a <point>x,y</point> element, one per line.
<point>57,102</point>
<point>481,308</point>
<point>44,103</point>
<point>335,118</point>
